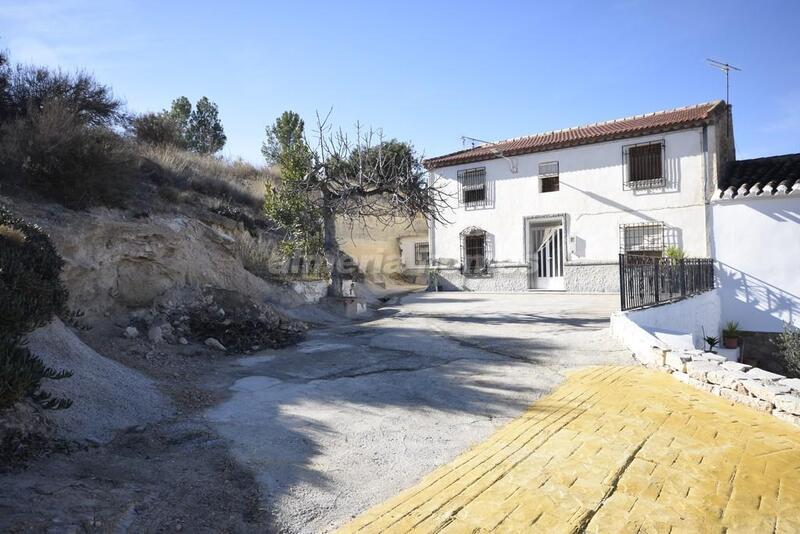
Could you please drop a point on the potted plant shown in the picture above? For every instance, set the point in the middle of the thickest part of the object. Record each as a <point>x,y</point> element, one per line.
<point>712,342</point>
<point>731,335</point>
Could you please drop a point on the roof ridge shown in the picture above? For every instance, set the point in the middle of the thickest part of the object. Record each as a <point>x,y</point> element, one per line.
<point>712,103</point>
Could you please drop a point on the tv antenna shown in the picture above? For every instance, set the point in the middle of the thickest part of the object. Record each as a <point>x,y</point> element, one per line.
<point>491,146</point>
<point>726,68</point>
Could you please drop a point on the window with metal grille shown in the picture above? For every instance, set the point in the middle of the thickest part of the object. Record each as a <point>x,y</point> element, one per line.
<point>475,253</point>
<point>473,186</point>
<point>548,176</point>
<point>421,253</point>
<point>644,239</point>
<point>644,164</point>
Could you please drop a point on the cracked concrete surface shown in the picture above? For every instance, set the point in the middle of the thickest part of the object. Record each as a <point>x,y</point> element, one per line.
<point>357,413</point>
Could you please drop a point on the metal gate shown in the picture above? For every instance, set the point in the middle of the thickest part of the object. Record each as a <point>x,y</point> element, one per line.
<point>546,262</point>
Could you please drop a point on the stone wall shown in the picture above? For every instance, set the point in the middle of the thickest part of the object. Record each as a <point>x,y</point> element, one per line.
<point>591,277</point>
<point>737,382</point>
<point>498,279</point>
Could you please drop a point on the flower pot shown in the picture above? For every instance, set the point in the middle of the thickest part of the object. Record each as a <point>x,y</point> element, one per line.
<point>730,342</point>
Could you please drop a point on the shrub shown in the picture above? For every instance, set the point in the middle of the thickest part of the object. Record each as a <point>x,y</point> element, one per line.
<point>675,253</point>
<point>234,182</point>
<point>21,374</point>
<point>157,129</point>
<point>30,294</point>
<point>789,346</point>
<point>31,88</point>
<point>53,152</point>
<point>30,289</point>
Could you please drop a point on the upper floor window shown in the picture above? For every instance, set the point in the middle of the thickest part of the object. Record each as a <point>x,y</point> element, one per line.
<point>642,239</point>
<point>548,177</point>
<point>421,253</point>
<point>644,165</point>
<point>472,185</point>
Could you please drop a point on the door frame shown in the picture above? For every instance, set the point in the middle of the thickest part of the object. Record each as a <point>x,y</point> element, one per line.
<point>556,219</point>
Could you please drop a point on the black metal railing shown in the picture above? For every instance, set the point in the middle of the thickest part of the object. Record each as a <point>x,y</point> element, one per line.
<point>648,281</point>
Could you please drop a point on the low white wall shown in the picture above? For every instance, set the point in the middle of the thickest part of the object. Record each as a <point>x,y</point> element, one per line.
<point>637,329</point>
<point>756,242</point>
<point>311,291</point>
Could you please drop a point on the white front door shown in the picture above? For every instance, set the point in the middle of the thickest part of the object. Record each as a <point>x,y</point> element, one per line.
<point>546,250</point>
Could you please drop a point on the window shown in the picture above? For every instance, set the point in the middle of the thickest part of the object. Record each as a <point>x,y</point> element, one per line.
<point>473,186</point>
<point>421,253</point>
<point>644,165</point>
<point>475,253</point>
<point>548,177</point>
<point>646,239</point>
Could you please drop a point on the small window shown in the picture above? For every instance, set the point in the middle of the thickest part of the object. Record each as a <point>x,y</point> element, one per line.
<point>644,165</point>
<point>475,253</point>
<point>645,239</point>
<point>473,186</point>
<point>421,254</point>
<point>548,176</point>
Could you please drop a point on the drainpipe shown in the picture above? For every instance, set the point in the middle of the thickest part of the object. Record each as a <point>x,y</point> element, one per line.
<point>707,190</point>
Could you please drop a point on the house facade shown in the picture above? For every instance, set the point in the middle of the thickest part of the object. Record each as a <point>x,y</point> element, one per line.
<point>553,211</point>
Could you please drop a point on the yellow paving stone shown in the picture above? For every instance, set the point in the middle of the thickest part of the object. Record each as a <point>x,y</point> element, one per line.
<point>614,449</point>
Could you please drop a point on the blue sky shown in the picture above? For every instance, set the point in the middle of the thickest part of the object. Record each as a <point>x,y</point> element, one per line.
<point>430,72</point>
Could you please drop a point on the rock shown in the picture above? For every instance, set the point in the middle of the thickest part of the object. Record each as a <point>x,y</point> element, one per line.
<point>789,418</point>
<point>699,369</point>
<point>131,332</point>
<point>760,374</point>
<point>752,402</point>
<point>788,403</point>
<point>677,360</point>
<point>736,366</point>
<point>214,344</point>
<point>765,391</point>
<point>686,379</point>
<point>725,378</point>
<point>183,341</point>
<point>155,335</point>
<point>793,383</point>
<point>709,356</point>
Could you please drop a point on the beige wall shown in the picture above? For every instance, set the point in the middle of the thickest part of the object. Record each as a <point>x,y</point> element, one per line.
<point>375,247</point>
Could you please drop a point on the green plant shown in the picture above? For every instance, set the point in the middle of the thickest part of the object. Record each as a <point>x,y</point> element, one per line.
<point>675,253</point>
<point>204,133</point>
<point>711,341</point>
<point>788,344</point>
<point>30,294</point>
<point>731,329</point>
<point>21,374</point>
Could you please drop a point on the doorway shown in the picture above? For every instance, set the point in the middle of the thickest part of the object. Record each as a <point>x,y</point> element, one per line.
<point>546,255</point>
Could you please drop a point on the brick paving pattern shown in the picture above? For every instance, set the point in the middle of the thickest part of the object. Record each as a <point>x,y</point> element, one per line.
<point>614,449</point>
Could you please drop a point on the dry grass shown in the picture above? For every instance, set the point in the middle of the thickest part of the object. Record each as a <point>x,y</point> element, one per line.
<point>12,234</point>
<point>235,181</point>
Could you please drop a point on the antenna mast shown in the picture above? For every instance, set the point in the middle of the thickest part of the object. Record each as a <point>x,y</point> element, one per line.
<point>726,68</point>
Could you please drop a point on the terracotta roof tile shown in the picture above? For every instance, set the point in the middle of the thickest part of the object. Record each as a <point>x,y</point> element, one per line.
<point>660,121</point>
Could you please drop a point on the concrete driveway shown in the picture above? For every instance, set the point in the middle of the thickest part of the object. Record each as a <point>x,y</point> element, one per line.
<point>357,413</point>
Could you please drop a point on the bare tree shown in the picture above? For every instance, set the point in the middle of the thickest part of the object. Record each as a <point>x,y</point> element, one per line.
<point>365,177</point>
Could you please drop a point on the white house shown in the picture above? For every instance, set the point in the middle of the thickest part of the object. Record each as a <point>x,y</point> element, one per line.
<point>755,221</point>
<point>555,210</point>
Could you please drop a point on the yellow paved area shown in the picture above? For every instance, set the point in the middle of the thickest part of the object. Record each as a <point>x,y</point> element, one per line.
<point>614,449</point>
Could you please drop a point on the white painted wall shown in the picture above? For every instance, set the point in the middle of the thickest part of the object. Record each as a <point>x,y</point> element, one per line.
<point>756,242</point>
<point>591,193</point>
<point>407,255</point>
<point>640,330</point>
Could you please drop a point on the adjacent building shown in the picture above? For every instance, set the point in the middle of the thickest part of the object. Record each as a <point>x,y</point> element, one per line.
<point>553,211</point>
